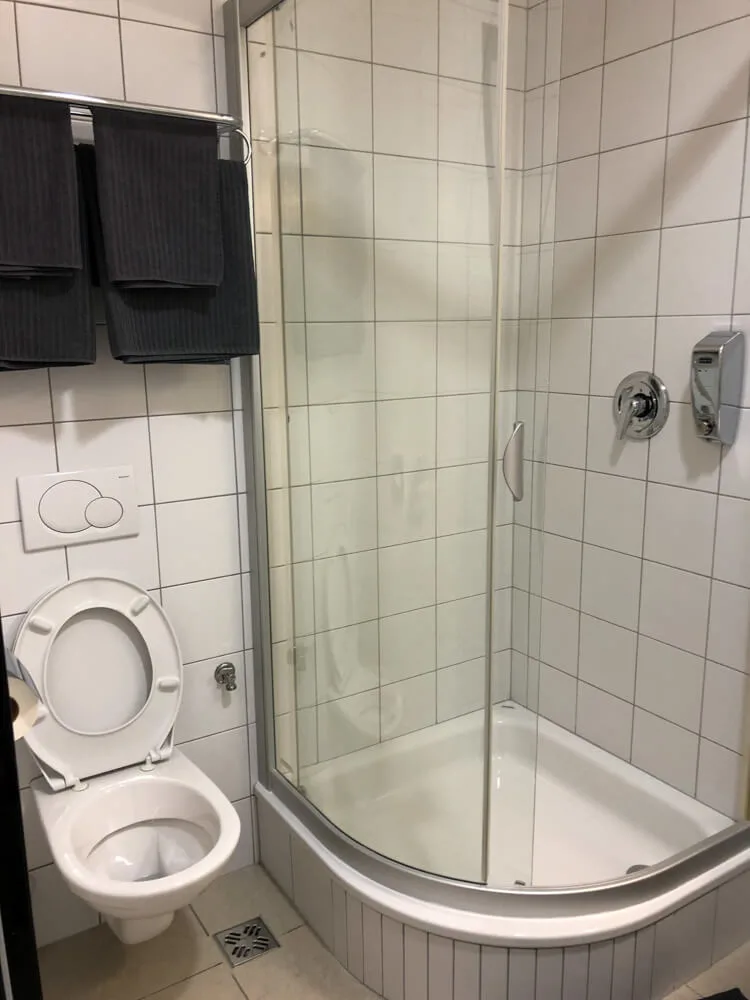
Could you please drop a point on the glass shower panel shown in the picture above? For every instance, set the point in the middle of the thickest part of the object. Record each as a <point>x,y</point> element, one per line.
<point>378,140</point>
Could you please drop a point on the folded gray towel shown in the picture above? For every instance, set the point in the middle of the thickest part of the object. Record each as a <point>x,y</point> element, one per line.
<point>39,223</point>
<point>185,324</point>
<point>158,184</point>
<point>49,320</point>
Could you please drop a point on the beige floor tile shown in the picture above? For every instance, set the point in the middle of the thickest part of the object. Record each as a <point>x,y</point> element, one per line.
<point>732,971</point>
<point>217,983</point>
<point>246,893</point>
<point>301,969</point>
<point>96,966</point>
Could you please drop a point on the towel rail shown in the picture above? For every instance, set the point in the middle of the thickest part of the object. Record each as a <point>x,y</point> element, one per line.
<point>82,105</point>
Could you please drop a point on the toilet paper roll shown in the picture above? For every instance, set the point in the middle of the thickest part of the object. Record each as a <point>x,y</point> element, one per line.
<point>25,703</point>
<point>24,707</point>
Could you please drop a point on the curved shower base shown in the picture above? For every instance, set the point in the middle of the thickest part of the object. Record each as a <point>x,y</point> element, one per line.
<point>412,936</point>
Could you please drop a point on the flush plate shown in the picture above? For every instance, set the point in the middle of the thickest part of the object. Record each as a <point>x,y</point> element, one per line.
<point>73,508</point>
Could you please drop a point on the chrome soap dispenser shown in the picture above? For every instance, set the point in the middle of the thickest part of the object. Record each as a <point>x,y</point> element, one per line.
<point>716,378</point>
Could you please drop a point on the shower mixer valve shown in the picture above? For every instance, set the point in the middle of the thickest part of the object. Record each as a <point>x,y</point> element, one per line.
<point>640,406</point>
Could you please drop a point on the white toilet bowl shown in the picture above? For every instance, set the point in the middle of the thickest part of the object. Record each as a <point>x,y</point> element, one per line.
<point>135,828</point>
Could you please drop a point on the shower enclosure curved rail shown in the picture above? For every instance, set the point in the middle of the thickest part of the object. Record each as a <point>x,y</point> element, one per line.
<point>411,934</point>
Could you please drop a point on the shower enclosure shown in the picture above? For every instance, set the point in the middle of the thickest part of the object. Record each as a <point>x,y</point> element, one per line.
<point>472,629</point>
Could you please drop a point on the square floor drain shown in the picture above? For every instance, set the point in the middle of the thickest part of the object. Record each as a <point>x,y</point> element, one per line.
<point>246,941</point>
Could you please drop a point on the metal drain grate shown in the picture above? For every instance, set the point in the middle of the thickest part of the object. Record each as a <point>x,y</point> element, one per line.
<point>246,941</point>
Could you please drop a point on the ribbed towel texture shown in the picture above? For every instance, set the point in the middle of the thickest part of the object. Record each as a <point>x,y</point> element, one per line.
<point>186,324</point>
<point>39,218</point>
<point>49,320</point>
<point>159,203</point>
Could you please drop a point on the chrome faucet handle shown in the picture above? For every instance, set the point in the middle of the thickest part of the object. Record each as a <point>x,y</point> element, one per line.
<point>628,411</point>
<point>226,676</point>
<point>640,406</point>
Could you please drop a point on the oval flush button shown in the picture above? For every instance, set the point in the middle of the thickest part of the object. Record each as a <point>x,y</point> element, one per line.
<point>168,684</point>
<point>104,512</point>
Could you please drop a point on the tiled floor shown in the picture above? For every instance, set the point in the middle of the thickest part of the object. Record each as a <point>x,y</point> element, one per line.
<point>185,962</point>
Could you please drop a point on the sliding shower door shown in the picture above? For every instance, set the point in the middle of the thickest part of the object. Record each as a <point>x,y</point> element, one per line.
<point>377,182</point>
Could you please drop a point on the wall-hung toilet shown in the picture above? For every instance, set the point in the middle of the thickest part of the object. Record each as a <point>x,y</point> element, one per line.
<point>135,828</point>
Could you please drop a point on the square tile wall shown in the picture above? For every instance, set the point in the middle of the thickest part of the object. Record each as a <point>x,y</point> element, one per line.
<point>377,377</point>
<point>178,425</point>
<point>640,200</point>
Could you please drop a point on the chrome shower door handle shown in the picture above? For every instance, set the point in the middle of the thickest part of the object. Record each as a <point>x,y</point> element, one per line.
<point>513,461</point>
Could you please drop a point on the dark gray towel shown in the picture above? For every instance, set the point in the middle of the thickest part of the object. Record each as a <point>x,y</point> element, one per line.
<point>158,181</point>
<point>39,224</point>
<point>49,320</point>
<point>188,324</point>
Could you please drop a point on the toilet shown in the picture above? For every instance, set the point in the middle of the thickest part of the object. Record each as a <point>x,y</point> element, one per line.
<point>135,828</point>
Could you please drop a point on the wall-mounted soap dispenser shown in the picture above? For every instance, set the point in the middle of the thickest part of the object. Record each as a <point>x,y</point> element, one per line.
<point>716,378</point>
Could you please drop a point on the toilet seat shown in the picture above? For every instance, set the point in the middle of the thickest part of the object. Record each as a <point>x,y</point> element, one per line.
<point>123,649</point>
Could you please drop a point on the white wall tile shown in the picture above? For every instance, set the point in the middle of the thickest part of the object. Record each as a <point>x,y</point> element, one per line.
<point>463,48</point>
<point>134,559</point>
<point>608,656</point>
<point>579,117</point>
<point>168,67</point>
<point>732,527</point>
<point>566,436</point>
<point>462,429</point>
<point>674,607</point>
<point>57,912</point>
<point>212,527</point>
<point>405,112</point>
<point>467,209</point>
<point>611,586</point>
<point>709,77</point>
<point>405,358</point>
<point>405,280</point>
<point>665,750</point>
<point>635,98</point>
<point>675,456</point>
<point>95,444</point>
<point>406,35</point>
<point>461,565</point>
<point>670,515</point>
<point>582,35</point>
<point>615,513</point>
<point>563,503</point>
<point>342,441</point>
<point>604,720</point>
<point>742,289</point>
<point>8,48</point>
<point>207,617</point>
<point>561,580</point>
<point>466,281</point>
<point>69,51</point>
<point>570,353</point>
<point>720,779</point>
<point>344,517</point>
<point>692,15</point>
<point>604,452</point>
<point>106,389</point>
<point>576,198</point>
<point>406,577</point>
<point>336,192</point>
<point>346,590</point>
<point>465,353</point>
<point>206,468</point>
<point>406,191</point>
<point>195,15</point>
<point>335,102</point>
<point>406,435</point>
<point>206,708</point>
<point>729,626</point>
<point>626,275</point>
<point>25,451</point>
<point>703,180</point>
<point>173,388</point>
<point>723,713</point>
<point>669,683</point>
<point>338,280</point>
<point>37,847</point>
<point>340,362</point>
<point>324,27</point>
<point>636,24</point>
<point>461,689</point>
<point>346,661</point>
<point>630,188</point>
<point>407,706</point>
<point>26,398</point>
<point>518,48</point>
<point>573,288</point>
<point>348,724</point>
<point>461,630</point>
<point>407,644</point>
<point>461,498</point>
<point>557,696</point>
<point>464,127</point>
<point>559,637</point>
<point>223,758</point>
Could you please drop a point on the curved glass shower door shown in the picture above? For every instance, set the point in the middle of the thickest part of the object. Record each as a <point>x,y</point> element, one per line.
<point>377,193</point>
